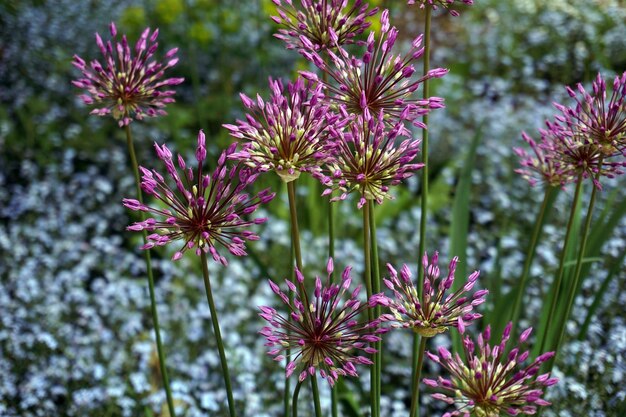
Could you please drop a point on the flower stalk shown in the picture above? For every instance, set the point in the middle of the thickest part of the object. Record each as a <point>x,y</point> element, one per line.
<point>424,196</point>
<point>577,272</point>
<point>153,306</point>
<point>521,289</point>
<point>415,398</point>
<point>218,335</point>
<point>377,310</point>
<point>561,270</point>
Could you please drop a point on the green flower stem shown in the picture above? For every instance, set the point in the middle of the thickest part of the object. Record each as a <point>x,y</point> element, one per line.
<point>286,397</point>
<point>316,396</point>
<point>424,205</point>
<point>415,398</point>
<point>378,358</point>
<point>296,392</point>
<point>218,335</point>
<point>153,305</point>
<point>367,278</point>
<point>530,255</point>
<point>334,401</point>
<point>577,273</point>
<point>559,276</point>
<point>293,214</point>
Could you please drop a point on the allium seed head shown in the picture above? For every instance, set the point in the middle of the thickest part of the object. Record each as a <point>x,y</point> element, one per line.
<point>321,24</point>
<point>368,159</point>
<point>203,211</point>
<point>379,81</point>
<point>287,134</point>
<point>488,382</point>
<point>127,86</point>
<point>434,311</point>
<point>325,332</point>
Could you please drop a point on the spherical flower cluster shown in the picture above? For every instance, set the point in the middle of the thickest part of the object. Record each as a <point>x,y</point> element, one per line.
<point>127,87</point>
<point>432,312</point>
<point>321,24</point>
<point>203,210</point>
<point>544,166</point>
<point>490,382</point>
<point>369,161</point>
<point>579,155</point>
<point>288,134</point>
<point>380,81</point>
<point>439,3</point>
<point>322,333</point>
<point>598,121</point>
<point>566,153</point>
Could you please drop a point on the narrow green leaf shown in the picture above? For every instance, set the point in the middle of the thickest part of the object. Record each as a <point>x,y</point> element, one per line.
<point>460,220</point>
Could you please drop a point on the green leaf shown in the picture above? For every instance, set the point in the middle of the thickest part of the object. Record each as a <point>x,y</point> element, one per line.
<point>460,220</point>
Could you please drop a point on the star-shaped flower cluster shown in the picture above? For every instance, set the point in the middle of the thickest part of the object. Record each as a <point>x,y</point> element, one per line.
<point>202,210</point>
<point>127,87</point>
<point>431,312</point>
<point>490,382</point>
<point>324,333</point>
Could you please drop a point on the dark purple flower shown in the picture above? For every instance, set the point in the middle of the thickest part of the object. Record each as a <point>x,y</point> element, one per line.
<point>434,311</point>
<point>598,121</point>
<point>321,24</point>
<point>323,333</point>
<point>489,382</point>
<point>369,161</point>
<point>204,211</point>
<point>288,134</point>
<point>582,156</point>
<point>545,165</point>
<point>378,81</point>
<point>127,86</point>
<point>435,4</point>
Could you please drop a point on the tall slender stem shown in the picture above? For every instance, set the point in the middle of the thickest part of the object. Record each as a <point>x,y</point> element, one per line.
<point>415,398</point>
<point>296,392</point>
<point>560,273</point>
<point>530,255</point>
<point>153,305</point>
<point>316,396</point>
<point>293,214</point>
<point>424,202</point>
<point>288,350</point>
<point>378,358</point>
<point>367,278</point>
<point>334,401</point>
<point>218,335</point>
<point>579,264</point>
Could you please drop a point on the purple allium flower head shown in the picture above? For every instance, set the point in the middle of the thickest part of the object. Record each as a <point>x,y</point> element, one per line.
<point>490,382</point>
<point>379,80</point>
<point>435,4</point>
<point>434,311</point>
<point>545,165</point>
<point>324,332</point>
<point>600,122</point>
<point>321,24</point>
<point>205,210</point>
<point>368,159</point>
<point>576,152</point>
<point>288,134</point>
<point>127,86</point>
